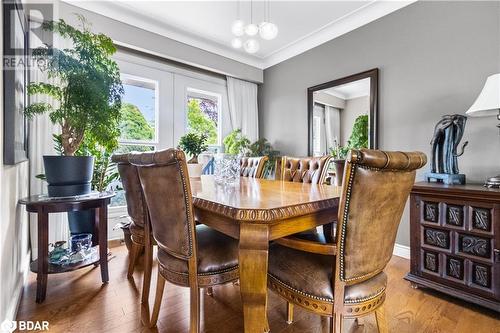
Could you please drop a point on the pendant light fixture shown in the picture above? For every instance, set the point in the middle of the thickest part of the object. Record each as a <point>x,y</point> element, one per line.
<point>266,30</point>
<point>252,29</point>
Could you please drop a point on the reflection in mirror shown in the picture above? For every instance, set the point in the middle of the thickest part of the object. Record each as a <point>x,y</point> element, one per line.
<point>343,116</point>
<point>336,111</point>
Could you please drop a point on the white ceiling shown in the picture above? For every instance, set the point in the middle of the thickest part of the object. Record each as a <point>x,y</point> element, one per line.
<point>350,90</point>
<point>207,24</point>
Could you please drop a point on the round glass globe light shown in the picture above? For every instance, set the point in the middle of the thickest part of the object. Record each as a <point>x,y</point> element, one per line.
<point>236,43</point>
<point>238,28</point>
<point>268,30</point>
<point>251,46</point>
<point>251,29</point>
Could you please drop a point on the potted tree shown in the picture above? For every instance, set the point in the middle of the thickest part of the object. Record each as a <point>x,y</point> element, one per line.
<point>357,140</point>
<point>87,89</point>
<point>193,144</point>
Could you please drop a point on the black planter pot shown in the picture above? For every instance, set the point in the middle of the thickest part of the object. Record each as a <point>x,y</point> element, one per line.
<point>68,175</point>
<point>81,222</point>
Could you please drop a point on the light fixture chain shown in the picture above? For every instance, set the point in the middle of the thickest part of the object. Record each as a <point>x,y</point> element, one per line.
<point>251,11</point>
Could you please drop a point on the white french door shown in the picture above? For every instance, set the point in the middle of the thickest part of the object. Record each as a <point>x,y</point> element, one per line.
<point>150,90</point>
<point>161,103</point>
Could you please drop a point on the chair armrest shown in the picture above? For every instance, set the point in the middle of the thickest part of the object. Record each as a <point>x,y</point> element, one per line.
<point>308,246</point>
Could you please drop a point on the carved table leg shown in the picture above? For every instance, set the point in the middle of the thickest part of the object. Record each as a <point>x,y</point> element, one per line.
<point>253,255</point>
<point>102,222</point>
<point>43,261</point>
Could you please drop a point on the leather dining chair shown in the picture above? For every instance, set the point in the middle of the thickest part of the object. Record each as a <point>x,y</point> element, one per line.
<point>138,212</point>
<point>312,170</point>
<point>189,255</point>
<point>346,278</point>
<point>304,169</point>
<point>252,166</point>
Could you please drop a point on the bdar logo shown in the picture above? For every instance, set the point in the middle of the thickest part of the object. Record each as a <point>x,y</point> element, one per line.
<point>8,326</point>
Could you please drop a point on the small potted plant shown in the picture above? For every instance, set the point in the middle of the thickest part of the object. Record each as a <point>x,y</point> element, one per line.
<point>193,144</point>
<point>87,90</point>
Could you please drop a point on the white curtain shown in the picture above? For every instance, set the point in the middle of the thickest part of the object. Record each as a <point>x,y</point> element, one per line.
<point>332,127</point>
<point>243,109</point>
<point>41,143</point>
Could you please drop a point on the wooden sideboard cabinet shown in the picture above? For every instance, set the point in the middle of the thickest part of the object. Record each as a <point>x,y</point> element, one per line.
<point>455,241</point>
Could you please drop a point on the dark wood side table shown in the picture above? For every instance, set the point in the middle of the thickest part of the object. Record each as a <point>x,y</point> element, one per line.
<point>43,205</point>
<point>455,241</point>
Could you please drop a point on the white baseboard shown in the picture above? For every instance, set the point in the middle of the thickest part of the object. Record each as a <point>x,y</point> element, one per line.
<point>402,251</point>
<point>15,299</point>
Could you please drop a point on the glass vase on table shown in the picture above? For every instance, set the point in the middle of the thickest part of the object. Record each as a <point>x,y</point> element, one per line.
<point>227,169</point>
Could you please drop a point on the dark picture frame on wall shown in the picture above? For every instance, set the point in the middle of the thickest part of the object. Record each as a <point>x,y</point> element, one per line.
<point>15,79</point>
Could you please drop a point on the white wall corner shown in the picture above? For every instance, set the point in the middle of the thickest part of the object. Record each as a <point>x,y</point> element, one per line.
<point>402,251</point>
<point>15,300</point>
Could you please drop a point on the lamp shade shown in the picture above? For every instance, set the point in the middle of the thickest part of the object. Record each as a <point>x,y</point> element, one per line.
<point>488,101</point>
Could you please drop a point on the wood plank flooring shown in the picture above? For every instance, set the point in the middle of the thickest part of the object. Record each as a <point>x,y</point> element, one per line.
<point>78,302</point>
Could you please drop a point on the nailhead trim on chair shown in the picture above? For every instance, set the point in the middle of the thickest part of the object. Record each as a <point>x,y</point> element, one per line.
<point>367,298</point>
<point>186,203</point>
<point>344,220</point>
<point>324,306</point>
<point>204,279</point>
<point>324,299</point>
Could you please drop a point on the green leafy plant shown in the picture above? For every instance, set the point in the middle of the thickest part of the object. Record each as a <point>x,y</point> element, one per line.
<point>359,134</point>
<point>193,144</point>
<point>199,122</point>
<point>236,143</point>
<point>88,89</point>
<point>262,147</point>
<point>357,140</point>
<point>133,125</point>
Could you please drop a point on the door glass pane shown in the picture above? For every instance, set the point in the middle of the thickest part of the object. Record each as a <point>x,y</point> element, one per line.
<point>203,115</point>
<point>139,110</point>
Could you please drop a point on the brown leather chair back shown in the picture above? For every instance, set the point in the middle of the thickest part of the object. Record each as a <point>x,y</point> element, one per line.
<point>166,188</point>
<point>374,193</point>
<point>252,166</point>
<point>136,206</point>
<point>304,169</point>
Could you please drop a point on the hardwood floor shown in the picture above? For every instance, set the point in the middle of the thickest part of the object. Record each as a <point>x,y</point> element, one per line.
<point>78,302</point>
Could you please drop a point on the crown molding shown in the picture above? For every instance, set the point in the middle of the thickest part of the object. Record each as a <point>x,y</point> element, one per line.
<point>370,12</point>
<point>355,19</point>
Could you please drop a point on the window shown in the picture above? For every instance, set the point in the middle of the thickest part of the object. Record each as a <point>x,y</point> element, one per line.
<point>316,136</point>
<point>203,116</point>
<point>139,123</point>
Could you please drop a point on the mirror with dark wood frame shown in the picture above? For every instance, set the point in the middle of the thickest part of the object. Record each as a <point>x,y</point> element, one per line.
<point>342,115</point>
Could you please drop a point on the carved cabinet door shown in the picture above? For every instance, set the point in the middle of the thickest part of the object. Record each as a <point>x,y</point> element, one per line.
<point>455,242</point>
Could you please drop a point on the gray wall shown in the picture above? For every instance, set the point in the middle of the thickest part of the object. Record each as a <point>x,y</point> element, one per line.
<point>160,45</point>
<point>434,58</point>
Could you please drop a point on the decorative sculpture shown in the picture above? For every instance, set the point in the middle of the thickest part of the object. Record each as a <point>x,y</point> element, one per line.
<point>448,133</point>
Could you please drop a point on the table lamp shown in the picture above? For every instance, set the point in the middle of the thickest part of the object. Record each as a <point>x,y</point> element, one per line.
<point>488,104</point>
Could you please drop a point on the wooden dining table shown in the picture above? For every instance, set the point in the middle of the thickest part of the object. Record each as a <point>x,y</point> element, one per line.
<point>257,211</point>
